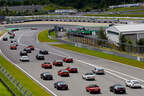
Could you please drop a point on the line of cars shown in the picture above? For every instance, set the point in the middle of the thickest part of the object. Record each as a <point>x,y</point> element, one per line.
<point>92,88</point>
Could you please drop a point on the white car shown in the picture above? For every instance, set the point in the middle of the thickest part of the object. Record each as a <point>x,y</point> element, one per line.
<point>98,70</point>
<point>24,58</point>
<point>133,84</point>
<point>88,76</point>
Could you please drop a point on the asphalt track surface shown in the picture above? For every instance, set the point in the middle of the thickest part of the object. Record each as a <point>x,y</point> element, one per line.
<point>115,72</point>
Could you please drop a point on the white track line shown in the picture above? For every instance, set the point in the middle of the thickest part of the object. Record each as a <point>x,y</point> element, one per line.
<point>112,72</point>
<point>27,72</point>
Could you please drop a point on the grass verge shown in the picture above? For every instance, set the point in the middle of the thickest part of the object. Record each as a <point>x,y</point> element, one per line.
<point>3,32</point>
<point>27,82</point>
<point>3,90</point>
<point>116,15</point>
<point>123,60</point>
<point>43,36</point>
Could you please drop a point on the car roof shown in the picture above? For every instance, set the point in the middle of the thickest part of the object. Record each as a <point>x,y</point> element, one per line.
<point>69,57</point>
<point>47,62</point>
<point>58,60</point>
<point>93,85</point>
<point>24,56</point>
<point>40,54</point>
<point>46,73</point>
<point>134,80</point>
<point>43,50</point>
<point>60,82</point>
<point>99,68</point>
<point>88,73</point>
<point>64,70</point>
<point>118,85</point>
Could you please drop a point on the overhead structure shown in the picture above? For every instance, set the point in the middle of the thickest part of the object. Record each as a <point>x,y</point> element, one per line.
<point>131,31</point>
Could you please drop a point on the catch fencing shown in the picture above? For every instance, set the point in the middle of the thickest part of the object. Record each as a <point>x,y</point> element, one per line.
<point>15,82</point>
<point>104,46</point>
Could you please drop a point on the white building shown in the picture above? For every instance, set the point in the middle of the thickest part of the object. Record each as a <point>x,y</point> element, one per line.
<point>131,31</point>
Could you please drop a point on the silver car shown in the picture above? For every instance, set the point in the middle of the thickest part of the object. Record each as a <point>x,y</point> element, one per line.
<point>98,70</point>
<point>88,76</point>
<point>133,83</point>
<point>24,58</point>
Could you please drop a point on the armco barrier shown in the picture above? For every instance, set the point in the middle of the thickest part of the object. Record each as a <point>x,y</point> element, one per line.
<point>15,82</point>
<point>82,45</point>
<point>13,94</point>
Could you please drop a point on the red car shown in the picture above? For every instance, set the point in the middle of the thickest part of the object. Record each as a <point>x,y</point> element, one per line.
<point>72,69</point>
<point>46,65</point>
<point>13,47</point>
<point>31,47</point>
<point>93,88</point>
<point>68,60</point>
<point>63,72</point>
<point>58,63</point>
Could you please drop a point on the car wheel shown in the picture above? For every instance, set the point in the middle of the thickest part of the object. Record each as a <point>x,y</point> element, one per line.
<point>82,77</point>
<point>90,92</point>
<point>87,90</point>
<point>58,88</point>
<point>115,91</point>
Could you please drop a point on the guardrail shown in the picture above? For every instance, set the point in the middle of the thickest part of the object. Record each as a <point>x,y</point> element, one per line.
<point>2,81</point>
<point>95,44</point>
<point>15,82</point>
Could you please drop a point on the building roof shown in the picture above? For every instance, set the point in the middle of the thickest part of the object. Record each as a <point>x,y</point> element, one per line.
<point>130,27</point>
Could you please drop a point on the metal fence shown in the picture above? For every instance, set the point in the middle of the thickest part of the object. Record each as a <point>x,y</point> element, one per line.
<point>100,45</point>
<point>15,82</point>
<point>96,42</point>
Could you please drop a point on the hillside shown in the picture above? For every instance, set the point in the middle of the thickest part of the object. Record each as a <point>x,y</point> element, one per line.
<point>77,4</point>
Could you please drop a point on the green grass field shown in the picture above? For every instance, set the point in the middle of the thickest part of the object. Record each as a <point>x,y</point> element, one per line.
<point>27,82</point>
<point>43,36</point>
<point>4,91</point>
<point>116,15</point>
<point>125,9</point>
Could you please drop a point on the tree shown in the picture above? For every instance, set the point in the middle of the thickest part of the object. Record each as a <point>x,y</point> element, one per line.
<point>102,34</point>
<point>140,41</point>
<point>122,43</point>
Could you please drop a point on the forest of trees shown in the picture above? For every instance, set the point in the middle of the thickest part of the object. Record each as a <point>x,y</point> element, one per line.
<point>78,4</point>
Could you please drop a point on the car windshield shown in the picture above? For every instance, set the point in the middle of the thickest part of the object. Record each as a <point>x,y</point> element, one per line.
<point>24,57</point>
<point>119,86</point>
<point>73,68</point>
<point>93,86</point>
<point>89,74</point>
<point>69,58</point>
<point>40,55</point>
<point>46,62</point>
<point>47,73</point>
<point>135,82</point>
<point>61,83</point>
<point>58,60</point>
<point>100,69</point>
<point>65,71</point>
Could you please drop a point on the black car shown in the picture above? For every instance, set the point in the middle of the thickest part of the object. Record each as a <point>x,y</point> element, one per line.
<point>46,76</point>
<point>5,38</point>
<point>28,50</point>
<point>61,85</point>
<point>44,52</point>
<point>117,88</point>
<point>40,57</point>
<point>23,53</point>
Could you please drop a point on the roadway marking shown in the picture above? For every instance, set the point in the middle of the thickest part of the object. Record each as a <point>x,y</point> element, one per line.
<point>28,74</point>
<point>25,71</point>
<point>112,72</point>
